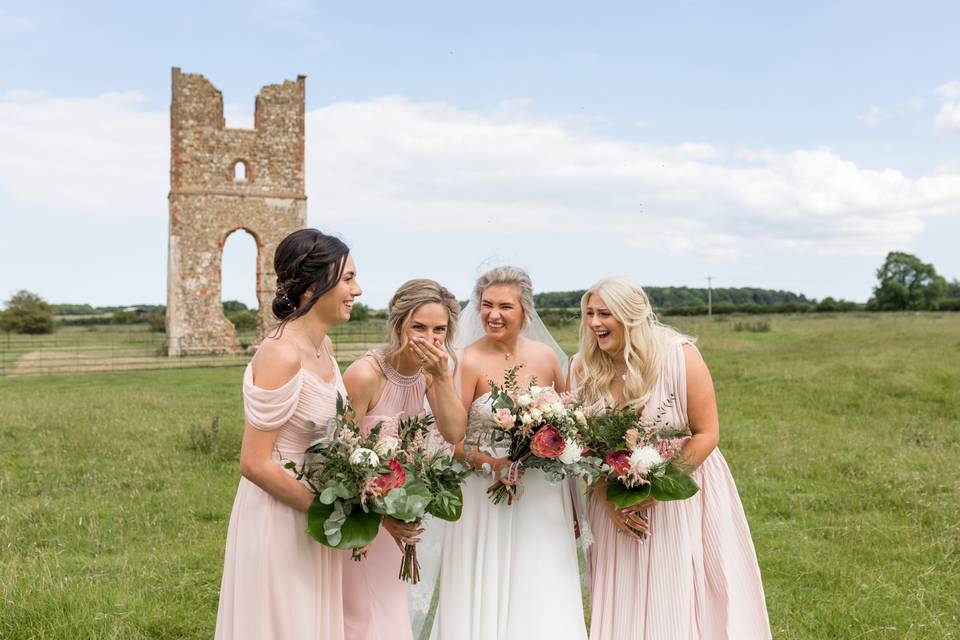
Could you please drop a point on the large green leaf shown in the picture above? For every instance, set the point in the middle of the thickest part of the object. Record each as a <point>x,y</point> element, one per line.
<point>622,497</point>
<point>448,505</point>
<point>408,503</point>
<point>359,528</point>
<point>673,485</point>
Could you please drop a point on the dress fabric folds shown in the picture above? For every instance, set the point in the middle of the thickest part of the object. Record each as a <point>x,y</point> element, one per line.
<point>374,598</point>
<point>695,577</point>
<point>510,572</point>
<point>278,582</point>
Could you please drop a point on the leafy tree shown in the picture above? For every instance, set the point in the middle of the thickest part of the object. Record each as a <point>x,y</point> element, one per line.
<point>953,289</point>
<point>360,312</point>
<point>906,282</point>
<point>73,309</point>
<point>157,320</point>
<point>233,306</point>
<point>244,320</point>
<point>122,316</point>
<point>27,312</point>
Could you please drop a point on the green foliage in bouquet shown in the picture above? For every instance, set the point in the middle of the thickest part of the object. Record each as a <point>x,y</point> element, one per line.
<point>440,475</point>
<point>672,485</point>
<point>341,524</point>
<point>619,434</point>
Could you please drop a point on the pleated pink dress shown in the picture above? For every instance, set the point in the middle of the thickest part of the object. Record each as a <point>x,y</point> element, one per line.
<point>374,598</point>
<point>278,582</point>
<point>696,576</point>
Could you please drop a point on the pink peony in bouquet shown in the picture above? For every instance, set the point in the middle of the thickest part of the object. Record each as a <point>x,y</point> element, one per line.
<point>541,430</point>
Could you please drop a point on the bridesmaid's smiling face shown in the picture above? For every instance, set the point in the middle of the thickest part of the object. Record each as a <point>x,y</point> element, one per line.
<point>428,321</point>
<point>605,328</point>
<point>500,311</point>
<point>335,305</point>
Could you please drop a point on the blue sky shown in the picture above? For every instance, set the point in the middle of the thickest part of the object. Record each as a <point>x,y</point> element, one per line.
<point>762,144</point>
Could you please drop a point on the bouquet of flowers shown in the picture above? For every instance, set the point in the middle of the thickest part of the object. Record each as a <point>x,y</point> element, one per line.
<point>542,429</point>
<point>437,472</point>
<point>357,480</point>
<point>640,456</point>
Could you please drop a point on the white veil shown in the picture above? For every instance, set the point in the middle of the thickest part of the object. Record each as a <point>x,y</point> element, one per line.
<point>470,329</point>
<point>423,597</point>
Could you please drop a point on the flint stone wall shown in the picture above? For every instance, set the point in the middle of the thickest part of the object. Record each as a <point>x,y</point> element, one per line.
<point>208,203</point>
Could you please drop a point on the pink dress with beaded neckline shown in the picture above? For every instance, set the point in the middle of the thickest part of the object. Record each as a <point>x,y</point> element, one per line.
<point>278,582</point>
<point>374,598</point>
<point>696,576</point>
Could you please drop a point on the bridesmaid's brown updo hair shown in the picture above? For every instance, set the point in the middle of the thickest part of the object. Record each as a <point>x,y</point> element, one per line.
<point>303,259</point>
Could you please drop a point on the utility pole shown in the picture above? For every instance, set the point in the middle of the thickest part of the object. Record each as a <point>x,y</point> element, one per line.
<point>709,296</point>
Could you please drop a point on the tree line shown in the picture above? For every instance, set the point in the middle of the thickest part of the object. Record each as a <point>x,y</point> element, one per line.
<point>904,283</point>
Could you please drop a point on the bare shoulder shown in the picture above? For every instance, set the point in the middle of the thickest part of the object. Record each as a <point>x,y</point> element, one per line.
<point>694,363</point>
<point>543,353</point>
<point>363,373</point>
<point>471,357</point>
<point>276,362</point>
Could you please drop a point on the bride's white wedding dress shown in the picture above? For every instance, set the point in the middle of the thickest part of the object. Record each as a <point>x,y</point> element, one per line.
<point>510,572</point>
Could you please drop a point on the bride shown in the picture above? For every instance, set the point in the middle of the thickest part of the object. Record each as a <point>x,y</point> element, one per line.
<point>508,572</point>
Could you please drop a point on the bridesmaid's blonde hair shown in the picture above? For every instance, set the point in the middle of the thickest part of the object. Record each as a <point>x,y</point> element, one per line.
<point>412,295</point>
<point>645,345</point>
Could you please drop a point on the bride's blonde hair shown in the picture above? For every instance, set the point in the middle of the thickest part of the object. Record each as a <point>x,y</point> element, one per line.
<point>645,344</point>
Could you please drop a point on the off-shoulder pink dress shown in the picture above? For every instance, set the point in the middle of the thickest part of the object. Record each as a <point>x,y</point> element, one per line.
<point>278,582</point>
<point>374,598</point>
<point>696,576</point>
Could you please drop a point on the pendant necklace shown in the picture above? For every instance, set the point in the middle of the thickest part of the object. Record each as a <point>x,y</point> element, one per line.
<point>318,351</point>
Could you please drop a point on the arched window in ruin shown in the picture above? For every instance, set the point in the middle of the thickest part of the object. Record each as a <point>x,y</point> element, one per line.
<point>239,171</point>
<point>239,273</point>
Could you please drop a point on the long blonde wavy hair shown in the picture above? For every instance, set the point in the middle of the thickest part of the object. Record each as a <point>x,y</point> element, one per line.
<point>412,295</point>
<point>646,341</point>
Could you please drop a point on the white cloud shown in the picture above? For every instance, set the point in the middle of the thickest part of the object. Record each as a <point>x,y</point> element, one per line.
<point>949,89</point>
<point>873,116</point>
<point>104,155</point>
<point>391,163</point>
<point>949,116</point>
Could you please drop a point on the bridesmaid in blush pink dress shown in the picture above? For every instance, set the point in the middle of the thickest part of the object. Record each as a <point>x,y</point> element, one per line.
<point>277,581</point>
<point>695,577</point>
<point>384,385</point>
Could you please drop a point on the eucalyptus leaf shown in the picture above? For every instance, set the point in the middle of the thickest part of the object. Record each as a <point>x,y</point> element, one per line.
<point>411,501</point>
<point>358,528</point>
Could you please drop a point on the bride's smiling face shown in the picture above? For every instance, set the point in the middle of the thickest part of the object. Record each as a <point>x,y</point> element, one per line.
<point>500,311</point>
<point>605,328</point>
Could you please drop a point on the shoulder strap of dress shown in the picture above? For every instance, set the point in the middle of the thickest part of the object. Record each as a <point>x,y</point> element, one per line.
<point>678,375</point>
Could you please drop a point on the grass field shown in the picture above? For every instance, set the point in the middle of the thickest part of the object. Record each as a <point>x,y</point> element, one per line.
<point>843,434</point>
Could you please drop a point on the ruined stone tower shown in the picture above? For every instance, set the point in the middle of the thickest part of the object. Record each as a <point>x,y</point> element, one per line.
<point>223,180</point>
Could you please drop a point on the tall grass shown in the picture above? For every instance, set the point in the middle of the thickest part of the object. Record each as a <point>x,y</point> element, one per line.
<point>842,434</point>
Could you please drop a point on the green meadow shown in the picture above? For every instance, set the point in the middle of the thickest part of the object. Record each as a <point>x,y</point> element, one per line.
<point>842,432</point>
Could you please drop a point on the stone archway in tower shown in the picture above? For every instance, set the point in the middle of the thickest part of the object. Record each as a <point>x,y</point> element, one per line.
<point>222,180</point>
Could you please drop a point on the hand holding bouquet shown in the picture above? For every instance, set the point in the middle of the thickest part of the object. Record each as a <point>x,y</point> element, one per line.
<point>436,474</point>
<point>356,480</point>
<point>640,456</point>
<point>542,431</point>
